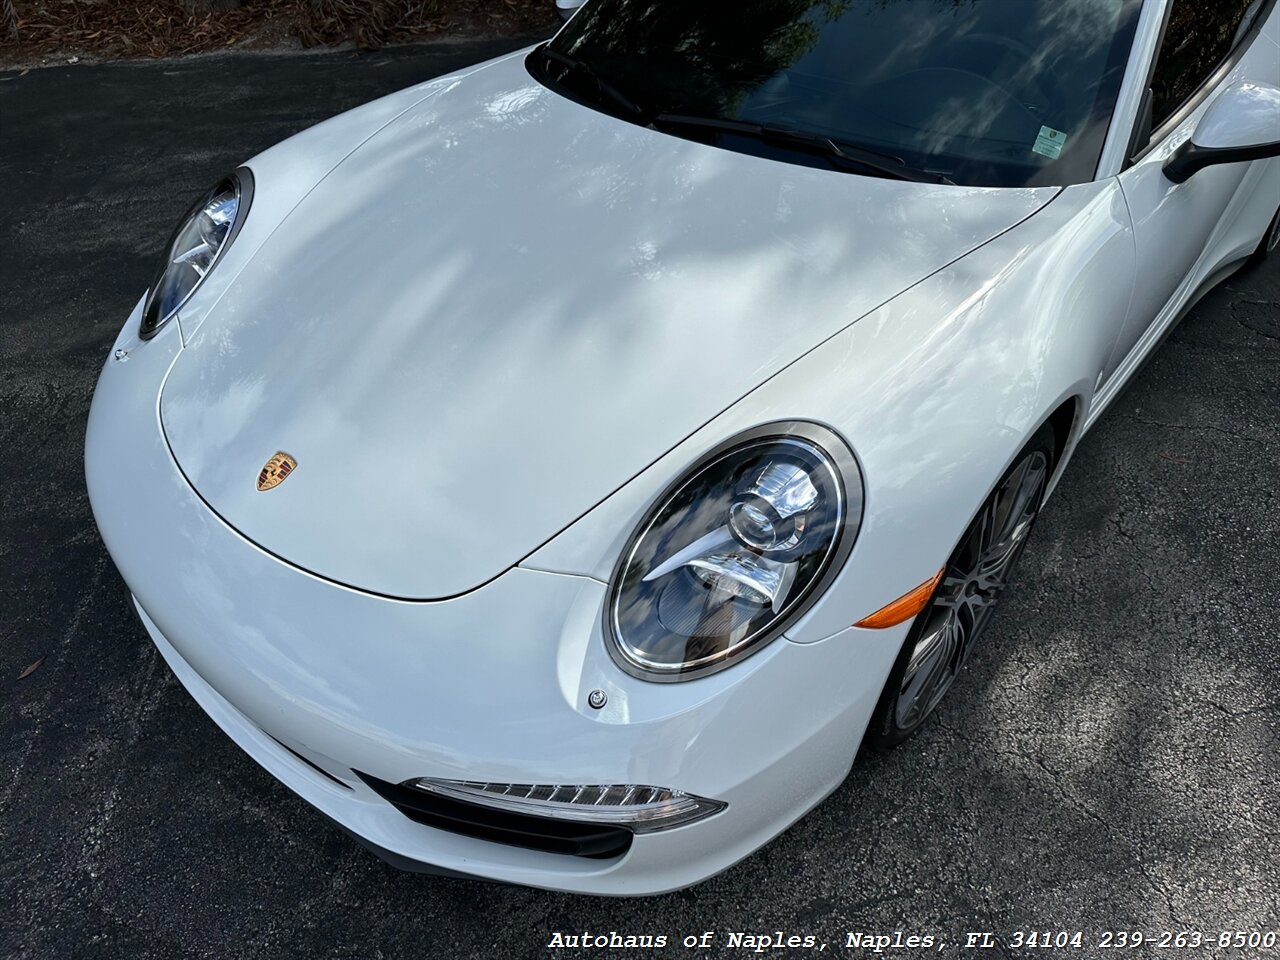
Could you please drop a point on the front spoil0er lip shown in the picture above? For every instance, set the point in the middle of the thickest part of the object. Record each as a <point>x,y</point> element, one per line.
<point>593,822</point>
<point>640,808</point>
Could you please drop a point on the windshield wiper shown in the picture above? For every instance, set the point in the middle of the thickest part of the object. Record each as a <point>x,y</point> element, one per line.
<point>841,154</point>
<point>585,70</point>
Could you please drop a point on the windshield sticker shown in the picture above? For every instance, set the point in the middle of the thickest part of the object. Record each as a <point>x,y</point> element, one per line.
<point>1050,143</point>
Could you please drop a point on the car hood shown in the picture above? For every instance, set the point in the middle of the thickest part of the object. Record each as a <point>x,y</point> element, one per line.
<point>503,306</point>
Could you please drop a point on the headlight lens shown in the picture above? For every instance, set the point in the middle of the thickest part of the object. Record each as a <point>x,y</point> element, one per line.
<point>734,551</point>
<point>196,246</point>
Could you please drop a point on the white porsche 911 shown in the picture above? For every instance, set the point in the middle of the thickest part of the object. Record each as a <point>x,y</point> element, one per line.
<point>555,472</point>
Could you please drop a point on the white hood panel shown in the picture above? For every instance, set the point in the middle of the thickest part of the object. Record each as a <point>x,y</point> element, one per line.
<point>503,307</point>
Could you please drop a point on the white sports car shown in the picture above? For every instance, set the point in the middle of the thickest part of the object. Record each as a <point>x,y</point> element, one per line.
<point>555,472</point>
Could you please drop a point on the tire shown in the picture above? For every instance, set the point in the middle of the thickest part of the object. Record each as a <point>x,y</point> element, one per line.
<point>1270,242</point>
<point>945,633</point>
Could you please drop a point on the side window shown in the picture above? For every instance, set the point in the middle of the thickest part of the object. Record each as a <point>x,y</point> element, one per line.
<point>1200,36</point>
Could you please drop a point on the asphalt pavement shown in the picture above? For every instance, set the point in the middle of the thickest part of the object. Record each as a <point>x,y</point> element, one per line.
<point>1108,762</point>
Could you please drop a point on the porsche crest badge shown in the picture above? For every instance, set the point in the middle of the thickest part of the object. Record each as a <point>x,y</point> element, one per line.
<point>276,471</point>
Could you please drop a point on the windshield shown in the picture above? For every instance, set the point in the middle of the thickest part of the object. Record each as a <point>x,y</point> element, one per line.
<point>979,92</point>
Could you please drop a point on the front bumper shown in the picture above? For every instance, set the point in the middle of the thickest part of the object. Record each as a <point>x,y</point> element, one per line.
<point>315,680</point>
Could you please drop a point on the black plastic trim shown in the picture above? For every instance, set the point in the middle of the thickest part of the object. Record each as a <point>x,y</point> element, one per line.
<point>567,837</point>
<point>1191,159</point>
<point>1141,134</point>
<point>408,864</point>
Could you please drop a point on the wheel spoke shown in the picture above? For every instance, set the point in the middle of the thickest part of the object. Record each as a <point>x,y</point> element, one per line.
<point>991,580</point>
<point>980,601</point>
<point>930,672</point>
<point>952,593</point>
<point>987,528</point>
<point>971,586</point>
<point>1022,503</point>
<point>1027,495</point>
<point>1007,501</point>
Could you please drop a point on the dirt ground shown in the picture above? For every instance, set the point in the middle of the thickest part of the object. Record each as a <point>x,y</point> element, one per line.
<point>46,32</point>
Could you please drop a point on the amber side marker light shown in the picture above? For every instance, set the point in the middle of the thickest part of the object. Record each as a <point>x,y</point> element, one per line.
<point>904,608</point>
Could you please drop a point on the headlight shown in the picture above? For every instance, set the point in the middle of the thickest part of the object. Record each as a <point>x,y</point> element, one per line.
<point>734,551</point>
<point>197,245</point>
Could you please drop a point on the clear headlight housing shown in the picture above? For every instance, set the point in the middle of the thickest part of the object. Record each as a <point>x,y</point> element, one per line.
<point>734,551</point>
<point>195,248</point>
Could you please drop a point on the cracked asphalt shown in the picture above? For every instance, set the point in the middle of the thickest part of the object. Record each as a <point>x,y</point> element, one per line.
<point>1109,760</point>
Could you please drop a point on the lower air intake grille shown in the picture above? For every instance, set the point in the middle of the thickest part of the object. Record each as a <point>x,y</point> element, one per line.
<point>501,826</point>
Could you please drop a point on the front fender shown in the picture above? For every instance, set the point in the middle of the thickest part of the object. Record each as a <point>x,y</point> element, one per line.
<point>936,391</point>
